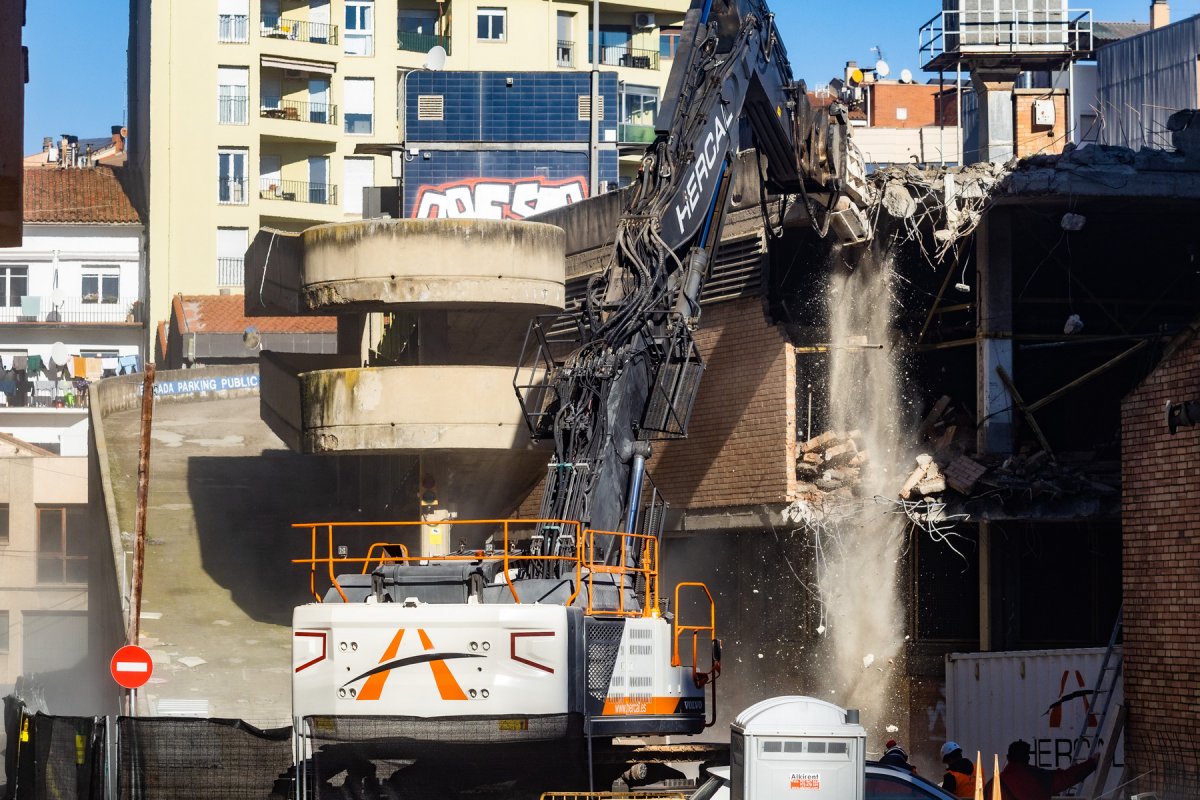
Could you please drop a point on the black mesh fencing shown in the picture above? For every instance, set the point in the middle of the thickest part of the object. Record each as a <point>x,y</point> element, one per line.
<point>1169,768</point>
<point>163,758</point>
<point>53,757</point>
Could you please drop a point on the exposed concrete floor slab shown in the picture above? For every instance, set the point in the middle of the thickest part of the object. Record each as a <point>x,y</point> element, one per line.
<point>219,585</point>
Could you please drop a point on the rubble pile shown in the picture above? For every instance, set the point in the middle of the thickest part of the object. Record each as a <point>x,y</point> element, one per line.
<point>830,466</point>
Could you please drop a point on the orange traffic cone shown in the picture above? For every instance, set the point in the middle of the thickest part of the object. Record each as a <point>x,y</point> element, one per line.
<point>979,776</point>
<point>996,779</point>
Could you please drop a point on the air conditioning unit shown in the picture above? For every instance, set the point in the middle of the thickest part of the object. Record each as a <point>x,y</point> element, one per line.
<point>643,21</point>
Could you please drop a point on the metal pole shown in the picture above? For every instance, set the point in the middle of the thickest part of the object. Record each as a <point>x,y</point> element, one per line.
<point>139,523</point>
<point>958,110</point>
<point>594,140</point>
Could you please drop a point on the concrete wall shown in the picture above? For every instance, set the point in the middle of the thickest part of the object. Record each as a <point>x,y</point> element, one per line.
<point>1161,553</point>
<point>883,146</point>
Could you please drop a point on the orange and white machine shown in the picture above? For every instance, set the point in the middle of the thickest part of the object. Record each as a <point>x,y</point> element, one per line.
<point>494,644</point>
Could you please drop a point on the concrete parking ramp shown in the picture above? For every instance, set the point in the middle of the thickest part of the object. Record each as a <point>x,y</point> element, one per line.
<point>219,588</point>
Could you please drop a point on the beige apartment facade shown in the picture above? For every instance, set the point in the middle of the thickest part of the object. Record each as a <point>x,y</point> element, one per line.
<point>44,555</point>
<point>247,113</point>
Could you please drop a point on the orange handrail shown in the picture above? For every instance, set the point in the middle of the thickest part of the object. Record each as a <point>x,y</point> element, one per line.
<point>695,630</point>
<point>323,553</point>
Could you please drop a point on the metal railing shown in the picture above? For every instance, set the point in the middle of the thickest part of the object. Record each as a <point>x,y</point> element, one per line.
<point>275,26</point>
<point>622,56</point>
<point>422,42</point>
<point>232,191</point>
<point>298,110</point>
<point>1006,31</point>
<point>231,271</point>
<point>45,308</point>
<point>233,110</point>
<point>566,53</point>
<point>233,28</point>
<point>298,191</point>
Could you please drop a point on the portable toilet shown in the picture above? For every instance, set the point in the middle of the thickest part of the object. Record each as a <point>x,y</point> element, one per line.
<point>798,748</point>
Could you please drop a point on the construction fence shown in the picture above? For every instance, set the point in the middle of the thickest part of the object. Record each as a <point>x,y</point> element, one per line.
<point>141,758</point>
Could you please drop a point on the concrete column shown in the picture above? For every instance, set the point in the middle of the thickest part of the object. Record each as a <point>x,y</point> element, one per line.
<point>993,252</point>
<point>986,631</point>
<point>996,125</point>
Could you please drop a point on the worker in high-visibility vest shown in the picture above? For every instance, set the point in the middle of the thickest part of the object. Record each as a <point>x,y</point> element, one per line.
<point>960,772</point>
<point>1021,781</point>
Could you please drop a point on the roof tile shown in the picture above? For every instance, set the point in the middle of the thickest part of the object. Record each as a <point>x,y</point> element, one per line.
<point>81,195</point>
<point>225,313</point>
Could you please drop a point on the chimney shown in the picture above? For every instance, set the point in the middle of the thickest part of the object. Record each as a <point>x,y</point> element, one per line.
<point>118,139</point>
<point>47,143</point>
<point>1160,14</point>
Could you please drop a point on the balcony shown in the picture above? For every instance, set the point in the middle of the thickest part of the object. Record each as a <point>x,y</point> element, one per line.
<point>233,28</point>
<point>566,53</point>
<point>298,111</point>
<point>89,310</point>
<point>275,26</point>
<point>1020,36</point>
<point>231,272</point>
<point>622,56</point>
<point>298,191</point>
<point>635,134</point>
<point>422,42</point>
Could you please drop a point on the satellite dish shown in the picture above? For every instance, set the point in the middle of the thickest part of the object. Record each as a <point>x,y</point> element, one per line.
<point>58,353</point>
<point>882,69</point>
<point>435,59</point>
<point>906,76</point>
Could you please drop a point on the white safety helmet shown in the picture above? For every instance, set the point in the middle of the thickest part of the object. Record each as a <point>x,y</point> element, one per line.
<point>948,748</point>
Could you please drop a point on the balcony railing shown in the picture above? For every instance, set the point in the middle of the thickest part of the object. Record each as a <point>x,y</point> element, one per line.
<point>276,27</point>
<point>635,134</point>
<point>298,191</point>
<point>566,53</point>
<point>231,271</point>
<point>232,191</point>
<point>622,56</point>
<point>233,28</point>
<point>422,42</point>
<point>299,110</point>
<point>77,310</point>
<point>1010,31</point>
<point>233,110</point>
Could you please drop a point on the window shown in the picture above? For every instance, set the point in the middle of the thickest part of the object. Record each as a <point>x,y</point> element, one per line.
<point>640,105</point>
<point>668,42</point>
<point>100,284</point>
<point>62,545</point>
<point>357,174</point>
<point>358,104</point>
<point>894,788</point>
<point>4,626</point>
<point>615,41</point>
<point>232,95</point>
<point>4,514</point>
<point>231,176</point>
<point>419,22</point>
<point>566,39</point>
<point>360,27</point>
<point>14,285</point>
<point>491,24</point>
<point>233,20</point>
<point>231,254</point>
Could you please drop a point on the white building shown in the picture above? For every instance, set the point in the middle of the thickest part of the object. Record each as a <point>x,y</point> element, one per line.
<point>70,303</point>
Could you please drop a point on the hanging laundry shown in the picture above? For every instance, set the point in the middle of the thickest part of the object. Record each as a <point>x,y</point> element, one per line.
<point>34,363</point>
<point>130,365</point>
<point>94,370</point>
<point>110,363</point>
<point>78,367</point>
<point>19,362</point>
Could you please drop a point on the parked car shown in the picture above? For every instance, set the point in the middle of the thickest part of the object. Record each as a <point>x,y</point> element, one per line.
<point>883,783</point>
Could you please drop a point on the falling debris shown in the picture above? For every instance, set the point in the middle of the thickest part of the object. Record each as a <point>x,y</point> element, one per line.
<point>868,660</point>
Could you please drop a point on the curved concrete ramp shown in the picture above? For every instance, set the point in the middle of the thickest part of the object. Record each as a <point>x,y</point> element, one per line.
<point>432,264</point>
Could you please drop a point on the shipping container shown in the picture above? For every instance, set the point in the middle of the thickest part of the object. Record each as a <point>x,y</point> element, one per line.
<point>993,699</point>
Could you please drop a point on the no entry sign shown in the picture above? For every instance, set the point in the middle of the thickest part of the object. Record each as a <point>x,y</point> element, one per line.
<point>131,666</point>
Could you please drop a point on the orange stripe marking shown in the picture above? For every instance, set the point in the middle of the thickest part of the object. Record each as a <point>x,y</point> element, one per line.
<point>373,688</point>
<point>448,688</point>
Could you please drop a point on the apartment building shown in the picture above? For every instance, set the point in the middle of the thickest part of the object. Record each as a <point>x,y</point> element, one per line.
<point>255,113</point>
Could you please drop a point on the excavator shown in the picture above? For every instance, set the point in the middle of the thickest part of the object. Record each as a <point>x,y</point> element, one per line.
<point>553,629</point>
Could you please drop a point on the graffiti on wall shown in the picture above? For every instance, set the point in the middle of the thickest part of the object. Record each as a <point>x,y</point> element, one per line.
<point>497,198</point>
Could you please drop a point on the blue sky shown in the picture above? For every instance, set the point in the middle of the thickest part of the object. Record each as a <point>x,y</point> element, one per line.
<point>77,50</point>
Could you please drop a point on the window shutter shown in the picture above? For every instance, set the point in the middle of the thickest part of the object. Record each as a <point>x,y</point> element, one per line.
<point>233,8</point>
<point>358,96</point>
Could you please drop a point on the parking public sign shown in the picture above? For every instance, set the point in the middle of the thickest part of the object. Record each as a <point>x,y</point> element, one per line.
<point>131,666</point>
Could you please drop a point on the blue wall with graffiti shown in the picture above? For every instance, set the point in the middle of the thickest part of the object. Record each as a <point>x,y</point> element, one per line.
<point>540,111</point>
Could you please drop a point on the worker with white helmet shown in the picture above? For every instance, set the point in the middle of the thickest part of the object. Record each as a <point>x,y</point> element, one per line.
<point>960,772</point>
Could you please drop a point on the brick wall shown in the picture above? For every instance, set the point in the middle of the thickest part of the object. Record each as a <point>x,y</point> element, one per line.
<point>917,100</point>
<point>737,451</point>
<point>1161,555</point>
<point>1033,138</point>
